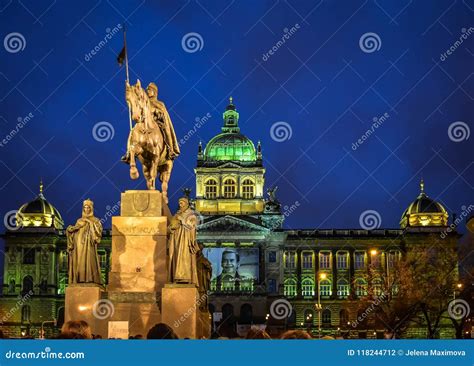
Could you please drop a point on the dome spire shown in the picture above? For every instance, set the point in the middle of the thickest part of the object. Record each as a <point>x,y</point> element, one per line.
<point>422,185</point>
<point>231,118</point>
<point>41,188</point>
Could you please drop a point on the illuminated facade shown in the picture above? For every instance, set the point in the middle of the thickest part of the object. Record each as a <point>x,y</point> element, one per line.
<point>255,260</point>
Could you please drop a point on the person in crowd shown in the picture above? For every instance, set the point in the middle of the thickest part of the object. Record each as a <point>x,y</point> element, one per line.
<point>296,334</point>
<point>76,329</point>
<point>255,333</point>
<point>161,331</point>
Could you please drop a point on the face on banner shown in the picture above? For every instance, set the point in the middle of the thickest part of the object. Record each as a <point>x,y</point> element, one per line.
<point>232,263</point>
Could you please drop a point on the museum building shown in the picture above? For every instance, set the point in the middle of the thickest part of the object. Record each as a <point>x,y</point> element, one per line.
<point>256,261</point>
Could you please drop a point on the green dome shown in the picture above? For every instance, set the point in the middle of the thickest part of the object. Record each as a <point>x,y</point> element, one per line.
<point>230,146</point>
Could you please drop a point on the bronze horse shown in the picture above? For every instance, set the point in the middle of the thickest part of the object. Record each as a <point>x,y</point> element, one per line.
<point>146,141</point>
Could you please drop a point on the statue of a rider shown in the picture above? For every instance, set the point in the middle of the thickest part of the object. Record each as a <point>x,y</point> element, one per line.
<point>162,119</point>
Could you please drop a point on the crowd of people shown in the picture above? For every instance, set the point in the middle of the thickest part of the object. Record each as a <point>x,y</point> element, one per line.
<point>79,329</point>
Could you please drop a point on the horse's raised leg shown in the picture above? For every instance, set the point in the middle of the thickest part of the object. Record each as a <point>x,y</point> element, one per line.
<point>133,165</point>
<point>165,174</point>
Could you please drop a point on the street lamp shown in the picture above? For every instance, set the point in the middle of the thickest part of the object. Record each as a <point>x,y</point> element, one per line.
<point>319,308</point>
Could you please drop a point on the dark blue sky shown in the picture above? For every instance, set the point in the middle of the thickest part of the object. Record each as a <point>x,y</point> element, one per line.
<point>321,82</point>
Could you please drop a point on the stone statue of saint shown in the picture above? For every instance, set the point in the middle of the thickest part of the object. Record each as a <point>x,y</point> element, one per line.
<point>183,246</point>
<point>82,241</point>
<point>204,277</point>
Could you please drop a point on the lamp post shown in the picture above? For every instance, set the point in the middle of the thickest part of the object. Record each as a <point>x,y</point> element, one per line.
<point>319,307</point>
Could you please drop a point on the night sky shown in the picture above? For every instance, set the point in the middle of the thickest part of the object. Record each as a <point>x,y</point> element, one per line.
<point>324,82</point>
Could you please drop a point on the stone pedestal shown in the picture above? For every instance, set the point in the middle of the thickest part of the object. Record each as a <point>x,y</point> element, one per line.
<point>85,302</point>
<point>138,260</point>
<point>180,310</point>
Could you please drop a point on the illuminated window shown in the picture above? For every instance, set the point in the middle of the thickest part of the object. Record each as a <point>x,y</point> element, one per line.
<point>393,258</point>
<point>62,285</point>
<point>359,262</point>
<point>377,286</point>
<point>63,261</point>
<point>361,287</point>
<point>324,260</point>
<point>103,259</point>
<point>343,288</point>
<point>307,260</point>
<point>307,287</point>
<point>228,284</point>
<point>325,287</point>
<point>229,188</point>
<point>290,287</point>
<point>248,189</point>
<point>342,260</point>
<point>290,260</point>
<point>211,189</point>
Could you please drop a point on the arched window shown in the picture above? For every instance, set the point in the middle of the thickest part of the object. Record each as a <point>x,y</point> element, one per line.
<point>326,317</point>
<point>11,286</point>
<point>308,316</point>
<point>307,287</point>
<point>246,314</point>
<point>25,314</point>
<point>342,288</point>
<point>248,189</point>
<point>325,287</point>
<point>361,287</point>
<point>290,287</point>
<point>27,285</point>
<point>343,318</point>
<point>230,188</point>
<point>211,189</point>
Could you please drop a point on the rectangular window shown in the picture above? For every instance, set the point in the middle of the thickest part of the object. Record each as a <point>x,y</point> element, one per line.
<point>307,260</point>
<point>324,260</point>
<point>343,290</point>
<point>342,260</point>
<point>63,261</point>
<point>103,259</point>
<point>290,260</point>
<point>272,286</point>
<point>272,257</point>
<point>359,262</point>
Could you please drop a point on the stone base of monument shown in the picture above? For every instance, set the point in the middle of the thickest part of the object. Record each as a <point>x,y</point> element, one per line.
<point>138,262</point>
<point>180,310</point>
<point>85,302</point>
